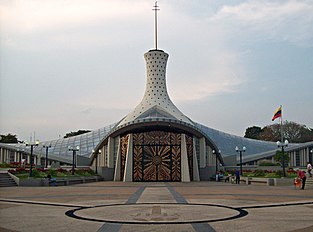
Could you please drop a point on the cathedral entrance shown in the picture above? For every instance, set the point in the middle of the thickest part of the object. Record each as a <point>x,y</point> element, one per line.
<point>156,156</point>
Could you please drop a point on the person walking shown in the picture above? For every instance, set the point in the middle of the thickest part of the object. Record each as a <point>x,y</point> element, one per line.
<point>237,174</point>
<point>309,168</point>
<point>302,176</point>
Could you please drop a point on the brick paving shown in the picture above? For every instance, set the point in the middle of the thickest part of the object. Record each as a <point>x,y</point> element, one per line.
<point>268,208</point>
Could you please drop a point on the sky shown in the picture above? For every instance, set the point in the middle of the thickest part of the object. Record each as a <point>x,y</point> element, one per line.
<point>69,65</point>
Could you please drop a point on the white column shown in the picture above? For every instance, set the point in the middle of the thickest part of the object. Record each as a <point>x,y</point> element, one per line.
<point>110,152</point>
<point>196,176</point>
<point>185,176</point>
<point>117,171</point>
<point>101,157</point>
<point>202,153</point>
<point>1,154</point>
<point>128,174</point>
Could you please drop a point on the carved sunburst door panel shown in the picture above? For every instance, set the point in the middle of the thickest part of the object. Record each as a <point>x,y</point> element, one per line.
<point>189,143</point>
<point>163,163</point>
<point>138,158</point>
<point>138,138</point>
<point>176,163</point>
<point>123,147</point>
<point>149,167</point>
<point>157,163</point>
<point>175,139</point>
<point>156,156</point>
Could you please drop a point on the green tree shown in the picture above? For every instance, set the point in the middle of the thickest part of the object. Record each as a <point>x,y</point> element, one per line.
<point>9,138</point>
<point>253,132</point>
<point>270,133</point>
<point>307,134</point>
<point>293,132</point>
<point>75,133</point>
<point>282,157</point>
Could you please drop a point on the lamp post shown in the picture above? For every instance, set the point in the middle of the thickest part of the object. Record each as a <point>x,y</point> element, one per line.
<point>96,155</point>
<point>74,149</point>
<point>216,159</point>
<point>283,145</point>
<point>310,156</point>
<point>240,154</point>
<point>47,148</point>
<point>31,155</point>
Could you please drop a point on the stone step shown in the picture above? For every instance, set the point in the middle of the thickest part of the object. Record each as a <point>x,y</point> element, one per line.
<point>6,180</point>
<point>309,183</point>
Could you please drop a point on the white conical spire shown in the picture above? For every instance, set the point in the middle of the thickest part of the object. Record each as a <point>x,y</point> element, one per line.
<point>156,102</point>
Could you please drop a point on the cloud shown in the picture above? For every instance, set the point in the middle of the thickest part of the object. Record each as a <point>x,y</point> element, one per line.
<point>223,73</point>
<point>86,111</point>
<point>48,25</point>
<point>33,15</point>
<point>285,21</point>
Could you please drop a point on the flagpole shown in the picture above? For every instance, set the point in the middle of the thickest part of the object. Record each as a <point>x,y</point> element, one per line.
<point>281,125</point>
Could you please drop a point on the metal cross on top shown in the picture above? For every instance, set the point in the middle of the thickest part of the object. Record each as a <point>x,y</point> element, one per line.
<point>156,24</point>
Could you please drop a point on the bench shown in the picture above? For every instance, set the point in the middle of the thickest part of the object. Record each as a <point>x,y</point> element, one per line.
<point>251,180</point>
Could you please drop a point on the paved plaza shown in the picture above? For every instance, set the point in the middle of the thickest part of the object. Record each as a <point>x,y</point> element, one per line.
<point>153,206</point>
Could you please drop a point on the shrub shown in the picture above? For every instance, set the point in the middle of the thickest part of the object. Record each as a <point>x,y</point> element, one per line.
<point>271,175</point>
<point>39,173</point>
<point>62,170</point>
<point>279,173</point>
<point>52,172</point>
<point>62,174</point>
<point>15,164</point>
<point>18,171</point>
<point>291,171</point>
<point>268,163</point>
<point>259,173</point>
<point>4,165</point>
<point>84,172</point>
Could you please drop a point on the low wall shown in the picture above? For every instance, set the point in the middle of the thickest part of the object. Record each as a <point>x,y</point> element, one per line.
<point>206,173</point>
<point>106,173</point>
<point>254,167</point>
<point>59,181</point>
<point>30,181</point>
<point>76,180</point>
<point>268,181</point>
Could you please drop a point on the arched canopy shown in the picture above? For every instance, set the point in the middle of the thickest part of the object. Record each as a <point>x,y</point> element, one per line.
<point>158,124</point>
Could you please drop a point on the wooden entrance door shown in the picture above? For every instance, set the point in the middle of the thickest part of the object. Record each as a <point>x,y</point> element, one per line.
<point>156,156</point>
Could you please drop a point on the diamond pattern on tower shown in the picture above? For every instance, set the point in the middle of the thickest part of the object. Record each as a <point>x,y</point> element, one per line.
<point>156,102</point>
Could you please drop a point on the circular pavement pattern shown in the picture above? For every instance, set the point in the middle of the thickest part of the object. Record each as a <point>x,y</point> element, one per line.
<point>157,213</point>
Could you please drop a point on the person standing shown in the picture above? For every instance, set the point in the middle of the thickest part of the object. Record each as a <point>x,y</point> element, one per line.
<point>237,174</point>
<point>302,176</point>
<point>309,168</point>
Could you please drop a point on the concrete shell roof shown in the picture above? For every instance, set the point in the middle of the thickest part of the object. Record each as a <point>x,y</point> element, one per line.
<point>89,141</point>
<point>227,142</point>
<point>59,147</point>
